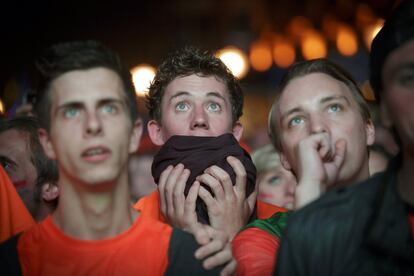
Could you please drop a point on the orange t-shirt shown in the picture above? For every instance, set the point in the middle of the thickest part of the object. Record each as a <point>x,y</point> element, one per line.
<point>14,216</point>
<point>141,250</point>
<point>149,206</point>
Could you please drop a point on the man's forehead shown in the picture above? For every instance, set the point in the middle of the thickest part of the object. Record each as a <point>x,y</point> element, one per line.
<point>401,57</point>
<point>195,85</point>
<point>297,93</point>
<point>86,85</point>
<point>13,138</point>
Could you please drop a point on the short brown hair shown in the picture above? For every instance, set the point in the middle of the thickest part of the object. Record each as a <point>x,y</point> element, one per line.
<point>188,61</point>
<point>304,68</point>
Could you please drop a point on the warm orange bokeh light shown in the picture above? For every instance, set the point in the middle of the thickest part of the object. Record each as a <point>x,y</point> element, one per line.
<point>260,56</point>
<point>371,31</point>
<point>283,53</point>
<point>235,59</point>
<point>364,15</point>
<point>313,45</point>
<point>2,107</point>
<point>346,41</point>
<point>330,27</point>
<point>298,27</point>
<point>142,76</point>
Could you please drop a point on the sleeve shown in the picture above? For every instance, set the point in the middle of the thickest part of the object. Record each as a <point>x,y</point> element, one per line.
<point>9,258</point>
<point>14,216</point>
<point>181,256</point>
<point>255,251</point>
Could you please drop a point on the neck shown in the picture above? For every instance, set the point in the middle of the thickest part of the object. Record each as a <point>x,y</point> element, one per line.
<point>405,177</point>
<point>90,214</point>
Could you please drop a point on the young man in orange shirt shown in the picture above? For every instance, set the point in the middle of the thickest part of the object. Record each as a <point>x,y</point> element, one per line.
<point>87,110</point>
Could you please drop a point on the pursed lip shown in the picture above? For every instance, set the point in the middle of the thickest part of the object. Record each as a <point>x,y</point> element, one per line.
<point>95,154</point>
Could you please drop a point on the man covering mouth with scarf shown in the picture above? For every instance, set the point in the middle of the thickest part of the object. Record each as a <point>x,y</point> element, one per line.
<point>203,175</point>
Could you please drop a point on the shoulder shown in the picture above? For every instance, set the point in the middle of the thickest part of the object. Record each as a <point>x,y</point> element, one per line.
<point>149,206</point>
<point>339,209</point>
<point>254,238</point>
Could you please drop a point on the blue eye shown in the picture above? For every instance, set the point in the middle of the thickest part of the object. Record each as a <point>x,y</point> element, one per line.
<point>274,180</point>
<point>7,166</point>
<point>109,109</point>
<point>214,107</point>
<point>181,106</point>
<point>296,121</point>
<point>334,108</point>
<point>71,112</point>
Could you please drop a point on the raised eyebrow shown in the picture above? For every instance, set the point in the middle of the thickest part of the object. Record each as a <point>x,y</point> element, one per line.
<point>290,112</point>
<point>109,100</point>
<point>69,105</point>
<point>179,94</point>
<point>216,94</point>
<point>333,98</point>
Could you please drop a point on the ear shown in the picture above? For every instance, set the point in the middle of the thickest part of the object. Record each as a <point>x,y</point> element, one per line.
<point>238,130</point>
<point>284,161</point>
<point>49,192</point>
<point>135,136</point>
<point>370,132</point>
<point>46,143</point>
<point>155,133</point>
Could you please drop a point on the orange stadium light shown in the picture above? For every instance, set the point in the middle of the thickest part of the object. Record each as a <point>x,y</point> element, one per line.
<point>260,56</point>
<point>313,45</point>
<point>284,53</point>
<point>346,40</point>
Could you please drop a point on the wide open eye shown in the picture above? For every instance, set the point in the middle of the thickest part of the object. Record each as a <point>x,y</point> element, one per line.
<point>274,180</point>
<point>71,112</point>
<point>334,108</point>
<point>109,108</point>
<point>295,121</point>
<point>182,106</point>
<point>214,107</point>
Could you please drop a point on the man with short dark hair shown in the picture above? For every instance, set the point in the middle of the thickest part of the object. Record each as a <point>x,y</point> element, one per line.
<point>367,229</point>
<point>90,125</point>
<point>203,174</point>
<point>33,174</point>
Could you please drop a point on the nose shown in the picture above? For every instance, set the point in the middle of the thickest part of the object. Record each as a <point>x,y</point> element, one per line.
<point>93,124</point>
<point>317,124</point>
<point>199,118</point>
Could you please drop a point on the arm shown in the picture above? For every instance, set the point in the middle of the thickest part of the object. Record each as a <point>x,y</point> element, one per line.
<point>255,251</point>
